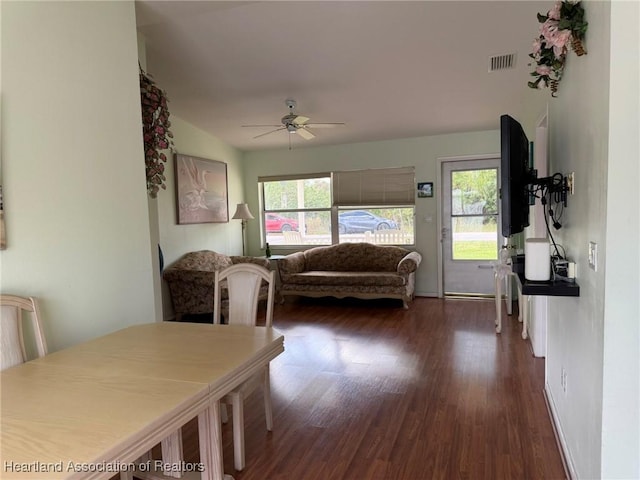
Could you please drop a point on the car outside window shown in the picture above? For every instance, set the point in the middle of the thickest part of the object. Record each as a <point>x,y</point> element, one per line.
<point>377,225</point>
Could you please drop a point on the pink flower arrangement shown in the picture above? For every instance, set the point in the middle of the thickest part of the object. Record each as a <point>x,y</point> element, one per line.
<point>563,26</point>
<point>155,132</point>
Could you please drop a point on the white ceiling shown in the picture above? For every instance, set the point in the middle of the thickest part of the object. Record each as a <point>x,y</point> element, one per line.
<point>388,70</point>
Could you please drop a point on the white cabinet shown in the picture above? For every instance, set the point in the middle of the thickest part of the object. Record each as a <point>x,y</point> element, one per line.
<point>537,325</point>
<point>538,304</point>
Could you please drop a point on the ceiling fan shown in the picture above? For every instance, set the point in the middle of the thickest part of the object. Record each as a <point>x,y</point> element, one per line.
<point>294,123</point>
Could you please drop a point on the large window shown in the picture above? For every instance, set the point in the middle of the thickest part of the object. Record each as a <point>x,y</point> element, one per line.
<point>375,206</point>
<point>297,211</point>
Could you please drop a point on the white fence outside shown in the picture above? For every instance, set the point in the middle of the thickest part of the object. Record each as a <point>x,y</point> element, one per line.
<point>380,237</point>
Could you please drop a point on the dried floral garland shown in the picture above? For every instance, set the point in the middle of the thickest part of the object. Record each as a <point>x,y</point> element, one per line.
<point>562,26</point>
<point>155,132</point>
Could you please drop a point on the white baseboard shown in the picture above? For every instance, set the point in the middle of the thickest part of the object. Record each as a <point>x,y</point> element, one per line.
<point>567,462</point>
<point>426,294</point>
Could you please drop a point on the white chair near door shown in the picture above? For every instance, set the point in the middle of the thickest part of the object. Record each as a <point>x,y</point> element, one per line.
<point>12,311</point>
<point>243,282</point>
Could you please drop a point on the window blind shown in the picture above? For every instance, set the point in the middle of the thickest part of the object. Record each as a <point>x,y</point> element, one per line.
<point>380,186</point>
<point>299,176</point>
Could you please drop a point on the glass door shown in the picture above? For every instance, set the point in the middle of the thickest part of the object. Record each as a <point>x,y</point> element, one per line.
<point>470,219</point>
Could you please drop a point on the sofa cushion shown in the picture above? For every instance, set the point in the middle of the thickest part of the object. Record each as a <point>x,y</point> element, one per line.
<point>263,262</point>
<point>347,278</point>
<point>203,260</point>
<point>354,257</point>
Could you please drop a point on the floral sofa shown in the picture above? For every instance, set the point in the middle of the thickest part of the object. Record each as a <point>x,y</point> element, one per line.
<point>191,280</point>
<point>360,270</point>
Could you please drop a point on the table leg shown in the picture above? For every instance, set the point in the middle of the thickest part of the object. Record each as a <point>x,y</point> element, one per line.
<point>509,293</point>
<point>525,315</point>
<point>521,304</point>
<point>210,436</point>
<point>498,303</point>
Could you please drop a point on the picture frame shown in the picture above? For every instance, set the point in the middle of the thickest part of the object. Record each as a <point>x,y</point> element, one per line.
<point>425,189</point>
<point>201,190</point>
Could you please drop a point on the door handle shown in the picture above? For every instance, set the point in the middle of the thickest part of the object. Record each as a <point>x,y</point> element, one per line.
<point>485,267</point>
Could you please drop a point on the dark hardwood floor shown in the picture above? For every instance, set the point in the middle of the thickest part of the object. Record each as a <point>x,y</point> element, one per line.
<point>368,390</point>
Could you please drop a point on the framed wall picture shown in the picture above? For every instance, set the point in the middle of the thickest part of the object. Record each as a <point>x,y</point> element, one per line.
<point>425,189</point>
<point>201,190</point>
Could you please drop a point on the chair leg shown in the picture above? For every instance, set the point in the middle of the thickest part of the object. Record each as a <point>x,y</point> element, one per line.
<point>268,408</point>
<point>238,431</point>
<point>172,453</point>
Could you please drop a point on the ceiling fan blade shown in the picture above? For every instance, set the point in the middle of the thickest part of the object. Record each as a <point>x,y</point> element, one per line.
<point>300,120</point>
<point>325,125</point>
<point>272,131</point>
<point>305,133</point>
<point>278,125</point>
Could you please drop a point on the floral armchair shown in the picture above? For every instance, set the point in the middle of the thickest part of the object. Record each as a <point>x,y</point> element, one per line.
<point>191,280</point>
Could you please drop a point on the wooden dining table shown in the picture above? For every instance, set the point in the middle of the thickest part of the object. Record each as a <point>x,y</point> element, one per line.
<point>91,410</point>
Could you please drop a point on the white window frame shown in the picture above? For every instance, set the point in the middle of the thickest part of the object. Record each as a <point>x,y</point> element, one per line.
<point>384,188</point>
<point>264,211</point>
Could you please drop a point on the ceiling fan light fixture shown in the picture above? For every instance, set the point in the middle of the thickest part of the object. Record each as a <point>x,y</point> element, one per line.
<point>294,123</point>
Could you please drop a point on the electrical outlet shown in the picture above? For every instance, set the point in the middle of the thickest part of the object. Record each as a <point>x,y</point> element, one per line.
<point>593,256</point>
<point>571,183</point>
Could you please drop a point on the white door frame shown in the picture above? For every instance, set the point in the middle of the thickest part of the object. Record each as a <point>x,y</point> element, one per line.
<point>440,161</point>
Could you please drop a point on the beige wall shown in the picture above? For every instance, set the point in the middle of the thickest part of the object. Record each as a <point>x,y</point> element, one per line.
<point>72,167</point>
<point>178,239</point>
<point>621,349</point>
<point>222,237</point>
<point>593,126</point>
<point>578,139</point>
<point>422,152</point>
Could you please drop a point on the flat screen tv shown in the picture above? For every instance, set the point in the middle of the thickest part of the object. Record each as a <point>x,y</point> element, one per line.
<point>515,176</point>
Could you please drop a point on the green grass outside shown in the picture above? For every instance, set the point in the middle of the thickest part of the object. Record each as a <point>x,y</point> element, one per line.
<point>475,250</point>
<point>461,226</point>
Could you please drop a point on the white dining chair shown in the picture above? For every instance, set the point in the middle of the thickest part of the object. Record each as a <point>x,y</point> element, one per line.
<point>12,345</point>
<point>243,283</point>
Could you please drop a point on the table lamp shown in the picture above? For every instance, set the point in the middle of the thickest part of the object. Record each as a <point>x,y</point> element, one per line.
<point>243,213</point>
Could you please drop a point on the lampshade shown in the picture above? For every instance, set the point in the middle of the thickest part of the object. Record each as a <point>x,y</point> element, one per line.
<point>242,212</point>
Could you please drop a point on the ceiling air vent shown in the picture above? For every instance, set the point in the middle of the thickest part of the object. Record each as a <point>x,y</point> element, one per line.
<point>502,62</point>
